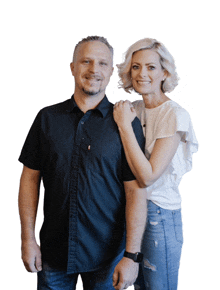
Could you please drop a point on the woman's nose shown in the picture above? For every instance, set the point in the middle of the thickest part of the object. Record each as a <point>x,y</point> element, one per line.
<point>143,72</point>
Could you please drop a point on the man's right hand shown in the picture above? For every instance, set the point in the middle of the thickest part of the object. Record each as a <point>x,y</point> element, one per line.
<point>125,274</point>
<point>31,256</point>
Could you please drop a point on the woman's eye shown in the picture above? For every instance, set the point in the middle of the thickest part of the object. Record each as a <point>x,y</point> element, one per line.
<point>151,67</point>
<point>135,67</point>
<point>103,63</point>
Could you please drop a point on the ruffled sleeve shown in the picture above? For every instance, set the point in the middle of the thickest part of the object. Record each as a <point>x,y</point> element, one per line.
<point>177,119</point>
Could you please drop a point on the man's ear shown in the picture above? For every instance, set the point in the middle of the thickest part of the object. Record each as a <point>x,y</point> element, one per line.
<point>72,68</point>
<point>112,70</point>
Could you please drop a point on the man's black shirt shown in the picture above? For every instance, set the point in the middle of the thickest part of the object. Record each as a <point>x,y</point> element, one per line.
<point>83,167</point>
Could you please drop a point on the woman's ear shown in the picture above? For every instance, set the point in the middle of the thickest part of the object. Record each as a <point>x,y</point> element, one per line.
<point>165,74</point>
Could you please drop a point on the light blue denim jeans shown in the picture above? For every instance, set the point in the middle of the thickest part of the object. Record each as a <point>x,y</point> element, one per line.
<point>162,245</point>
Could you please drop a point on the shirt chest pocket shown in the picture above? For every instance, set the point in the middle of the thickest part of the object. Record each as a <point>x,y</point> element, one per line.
<point>102,152</point>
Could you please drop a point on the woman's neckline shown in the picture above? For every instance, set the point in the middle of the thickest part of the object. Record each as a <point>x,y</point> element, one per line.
<point>158,106</point>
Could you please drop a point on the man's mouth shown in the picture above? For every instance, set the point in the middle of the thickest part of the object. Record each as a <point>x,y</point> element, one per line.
<point>93,77</point>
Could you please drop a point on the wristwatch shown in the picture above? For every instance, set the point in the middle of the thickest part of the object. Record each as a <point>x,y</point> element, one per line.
<point>136,257</point>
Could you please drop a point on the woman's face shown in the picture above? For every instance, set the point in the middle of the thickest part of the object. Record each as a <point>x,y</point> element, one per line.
<point>146,72</point>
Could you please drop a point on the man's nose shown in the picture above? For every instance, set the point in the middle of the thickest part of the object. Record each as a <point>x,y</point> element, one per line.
<point>94,68</point>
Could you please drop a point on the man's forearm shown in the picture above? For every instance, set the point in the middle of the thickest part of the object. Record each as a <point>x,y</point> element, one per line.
<point>28,202</point>
<point>126,271</point>
<point>136,213</point>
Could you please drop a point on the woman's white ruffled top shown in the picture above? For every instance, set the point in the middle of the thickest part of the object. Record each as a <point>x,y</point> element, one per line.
<point>161,122</point>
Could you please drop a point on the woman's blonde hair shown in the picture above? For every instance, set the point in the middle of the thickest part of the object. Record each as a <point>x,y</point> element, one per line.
<point>166,60</point>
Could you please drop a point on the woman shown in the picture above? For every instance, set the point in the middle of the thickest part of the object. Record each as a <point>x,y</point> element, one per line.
<point>149,70</point>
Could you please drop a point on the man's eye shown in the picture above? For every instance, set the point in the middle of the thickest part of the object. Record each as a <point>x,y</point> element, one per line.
<point>103,63</point>
<point>151,67</point>
<point>86,61</point>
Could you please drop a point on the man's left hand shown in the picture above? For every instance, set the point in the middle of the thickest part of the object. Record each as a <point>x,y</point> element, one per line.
<point>125,274</point>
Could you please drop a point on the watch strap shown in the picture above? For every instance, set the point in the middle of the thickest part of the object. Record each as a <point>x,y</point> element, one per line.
<point>136,257</point>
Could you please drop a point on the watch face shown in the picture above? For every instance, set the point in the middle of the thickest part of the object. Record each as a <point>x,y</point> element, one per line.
<point>139,257</point>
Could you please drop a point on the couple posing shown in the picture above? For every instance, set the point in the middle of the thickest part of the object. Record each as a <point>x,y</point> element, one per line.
<point>112,208</point>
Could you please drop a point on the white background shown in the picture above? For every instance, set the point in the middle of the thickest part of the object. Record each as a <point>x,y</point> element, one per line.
<point>37,41</point>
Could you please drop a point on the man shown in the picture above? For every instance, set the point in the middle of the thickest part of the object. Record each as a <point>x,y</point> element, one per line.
<point>74,146</point>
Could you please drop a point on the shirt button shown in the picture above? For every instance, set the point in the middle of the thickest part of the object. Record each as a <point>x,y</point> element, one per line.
<point>82,122</point>
<point>158,211</point>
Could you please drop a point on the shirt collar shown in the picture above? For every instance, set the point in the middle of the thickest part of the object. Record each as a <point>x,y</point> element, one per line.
<point>103,106</point>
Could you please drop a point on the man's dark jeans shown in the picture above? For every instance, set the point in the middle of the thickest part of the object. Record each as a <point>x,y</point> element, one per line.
<point>100,279</point>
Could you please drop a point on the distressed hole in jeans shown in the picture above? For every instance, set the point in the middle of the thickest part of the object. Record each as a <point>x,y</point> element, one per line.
<point>137,287</point>
<point>154,223</point>
<point>149,266</point>
<point>156,243</point>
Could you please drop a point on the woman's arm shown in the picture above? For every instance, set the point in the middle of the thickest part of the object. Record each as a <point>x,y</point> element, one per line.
<point>146,171</point>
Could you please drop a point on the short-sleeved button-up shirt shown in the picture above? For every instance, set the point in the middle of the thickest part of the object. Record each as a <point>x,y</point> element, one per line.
<point>83,167</point>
